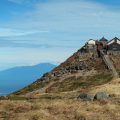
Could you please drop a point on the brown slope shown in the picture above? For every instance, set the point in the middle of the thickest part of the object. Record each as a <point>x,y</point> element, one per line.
<point>80,64</point>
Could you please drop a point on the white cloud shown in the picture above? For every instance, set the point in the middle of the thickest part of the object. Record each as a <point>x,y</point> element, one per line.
<point>69,16</point>
<point>67,23</point>
<point>21,56</point>
<point>69,19</point>
<point>19,1</point>
<point>10,32</point>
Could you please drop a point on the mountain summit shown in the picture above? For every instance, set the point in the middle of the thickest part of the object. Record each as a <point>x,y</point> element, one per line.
<point>96,63</point>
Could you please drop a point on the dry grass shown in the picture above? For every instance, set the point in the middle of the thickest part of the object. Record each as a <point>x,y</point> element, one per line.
<point>115,60</point>
<point>58,110</point>
<point>82,82</point>
<point>112,87</point>
<point>65,106</point>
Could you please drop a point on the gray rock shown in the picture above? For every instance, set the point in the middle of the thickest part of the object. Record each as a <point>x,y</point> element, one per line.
<point>86,97</point>
<point>101,96</point>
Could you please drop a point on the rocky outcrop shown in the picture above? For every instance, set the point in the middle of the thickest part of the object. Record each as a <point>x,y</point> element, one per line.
<point>101,96</point>
<point>71,69</point>
<point>85,97</point>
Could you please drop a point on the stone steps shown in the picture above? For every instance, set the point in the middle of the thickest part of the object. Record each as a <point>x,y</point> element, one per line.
<point>109,64</point>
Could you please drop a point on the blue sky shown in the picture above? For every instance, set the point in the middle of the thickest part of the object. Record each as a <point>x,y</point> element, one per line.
<point>35,31</point>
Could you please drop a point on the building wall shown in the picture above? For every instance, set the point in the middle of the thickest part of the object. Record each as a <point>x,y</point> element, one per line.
<point>91,42</point>
<point>116,53</point>
<point>114,47</point>
<point>104,43</point>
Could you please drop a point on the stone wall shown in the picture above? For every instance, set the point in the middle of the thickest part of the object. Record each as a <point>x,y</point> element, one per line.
<point>71,69</point>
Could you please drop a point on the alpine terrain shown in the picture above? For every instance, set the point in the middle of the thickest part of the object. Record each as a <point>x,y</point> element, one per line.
<point>84,87</point>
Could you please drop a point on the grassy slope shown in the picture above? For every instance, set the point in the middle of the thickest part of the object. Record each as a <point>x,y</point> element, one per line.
<point>62,106</point>
<point>73,83</point>
<point>60,103</point>
<point>96,64</point>
<point>70,84</point>
<point>115,59</point>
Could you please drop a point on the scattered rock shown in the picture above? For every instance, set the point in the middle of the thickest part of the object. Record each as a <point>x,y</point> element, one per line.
<point>112,95</point>
<point>101,96</point>
<point>86,97</point>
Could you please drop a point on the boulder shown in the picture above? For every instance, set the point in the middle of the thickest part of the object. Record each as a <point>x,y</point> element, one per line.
<point>86,97</point>
<point>101,96</point>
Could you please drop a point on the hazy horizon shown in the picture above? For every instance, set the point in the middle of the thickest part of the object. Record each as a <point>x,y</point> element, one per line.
<point>16,78</point>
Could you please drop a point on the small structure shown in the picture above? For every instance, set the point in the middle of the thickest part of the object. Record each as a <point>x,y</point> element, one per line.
<point>104,41</point>
<point>113,46</point>
<point>91,42</point>
<point>99,48</point>
<point>108,47</point>
<point>91,45</point>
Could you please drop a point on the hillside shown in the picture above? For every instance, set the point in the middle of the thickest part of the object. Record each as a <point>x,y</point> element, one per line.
<point>63,106</point>
<point>19,77</point>
<point>83,69</point>
<point>56,95</point>
<point>96,63</point>
<point>115,59</point>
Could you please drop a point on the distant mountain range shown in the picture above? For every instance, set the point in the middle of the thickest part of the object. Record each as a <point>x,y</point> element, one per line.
<point>18,77</point>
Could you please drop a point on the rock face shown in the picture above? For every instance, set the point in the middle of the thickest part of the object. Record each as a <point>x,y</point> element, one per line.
<point>71,69</point>
<point>101,96</point>
<point>98,96</point>
<point>86,97</point>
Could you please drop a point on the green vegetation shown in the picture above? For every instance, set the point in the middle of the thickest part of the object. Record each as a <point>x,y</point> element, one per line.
<point>29,88</point>
<point>35,86</point>
<point>70,84</point>
<point>14,98</point>
<point>50,96</point>
<point>74,83</point>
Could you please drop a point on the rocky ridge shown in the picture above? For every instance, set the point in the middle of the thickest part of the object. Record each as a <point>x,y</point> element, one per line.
<point>79,64</point>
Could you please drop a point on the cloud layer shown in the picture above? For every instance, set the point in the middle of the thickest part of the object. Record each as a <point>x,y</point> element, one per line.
<point>54,27</point>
